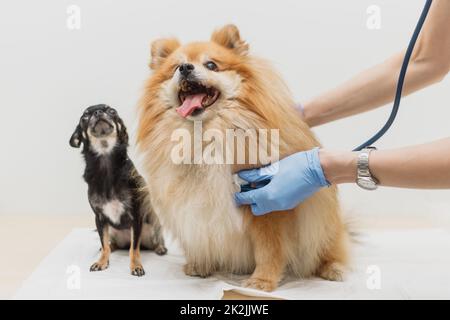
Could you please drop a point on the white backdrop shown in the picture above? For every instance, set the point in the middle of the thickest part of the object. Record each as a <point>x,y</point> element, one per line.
<point>49,74</point>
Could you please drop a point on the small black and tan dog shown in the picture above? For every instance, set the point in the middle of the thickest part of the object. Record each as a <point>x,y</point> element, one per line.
<point>117,195</point>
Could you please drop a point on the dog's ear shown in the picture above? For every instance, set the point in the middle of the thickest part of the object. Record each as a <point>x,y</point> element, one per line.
<point>229,37</point>
<point>77,137</point>
<point>161,49</point>
<point>122,132</point>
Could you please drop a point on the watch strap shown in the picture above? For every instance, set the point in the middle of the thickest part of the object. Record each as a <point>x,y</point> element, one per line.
<point>363,170</point>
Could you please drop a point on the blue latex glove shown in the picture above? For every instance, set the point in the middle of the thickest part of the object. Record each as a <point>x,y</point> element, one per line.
<point>292,180</point>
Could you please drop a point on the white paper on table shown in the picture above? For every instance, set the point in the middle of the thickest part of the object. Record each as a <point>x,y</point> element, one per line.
<point>411,264</point>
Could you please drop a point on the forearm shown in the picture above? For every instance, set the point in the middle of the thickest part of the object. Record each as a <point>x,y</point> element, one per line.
<point>368,90</point>
<point>376,86</point>
<point>424,166</point>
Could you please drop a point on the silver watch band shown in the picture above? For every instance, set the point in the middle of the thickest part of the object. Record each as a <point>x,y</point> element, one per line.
<point>364,178</point>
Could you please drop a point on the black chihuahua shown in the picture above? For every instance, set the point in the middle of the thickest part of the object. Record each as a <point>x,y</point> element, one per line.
<point>117,193</point>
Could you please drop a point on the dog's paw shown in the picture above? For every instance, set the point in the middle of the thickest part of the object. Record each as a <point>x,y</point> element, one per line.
<point>99,266</point>
<point>333,272</point>
<point>160,250</point>
<point>260,284</point>
<point>191,270</point>
<point>137,271</point>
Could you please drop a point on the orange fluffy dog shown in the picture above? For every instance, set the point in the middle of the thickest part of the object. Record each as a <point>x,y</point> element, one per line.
<point>218,85</point>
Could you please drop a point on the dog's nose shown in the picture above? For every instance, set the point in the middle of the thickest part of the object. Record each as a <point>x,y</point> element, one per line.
<point>98,113</point>
<point>186,69</point>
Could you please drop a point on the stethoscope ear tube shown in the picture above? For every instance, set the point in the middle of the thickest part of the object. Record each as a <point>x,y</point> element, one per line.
<point>401,79</point>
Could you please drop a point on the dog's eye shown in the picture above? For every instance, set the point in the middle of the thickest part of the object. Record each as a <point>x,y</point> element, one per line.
<point>211,66</point>
<point>84,120</point>
<point>112,112</point>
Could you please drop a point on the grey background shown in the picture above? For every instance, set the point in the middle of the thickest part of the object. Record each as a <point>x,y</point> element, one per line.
<point>49,74</point>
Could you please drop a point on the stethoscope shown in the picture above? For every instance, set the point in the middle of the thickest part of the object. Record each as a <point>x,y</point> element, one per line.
<point>401,79</point>
<point>245,186</point>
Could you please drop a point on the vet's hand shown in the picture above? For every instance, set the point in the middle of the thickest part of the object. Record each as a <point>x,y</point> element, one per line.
<point>292,180</point>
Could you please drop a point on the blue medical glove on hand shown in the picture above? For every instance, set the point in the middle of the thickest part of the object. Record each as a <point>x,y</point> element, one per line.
<point>292,180</point>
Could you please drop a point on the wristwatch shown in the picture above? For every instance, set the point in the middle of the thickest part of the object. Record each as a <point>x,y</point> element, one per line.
<point>364,178</point>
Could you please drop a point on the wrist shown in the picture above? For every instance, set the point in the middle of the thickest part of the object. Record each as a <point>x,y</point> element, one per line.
<point>309,114</point>
<point>312,114</point>
<point>338,167</point>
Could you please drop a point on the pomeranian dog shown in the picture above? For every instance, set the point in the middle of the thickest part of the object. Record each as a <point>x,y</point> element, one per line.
<point>218,85</point>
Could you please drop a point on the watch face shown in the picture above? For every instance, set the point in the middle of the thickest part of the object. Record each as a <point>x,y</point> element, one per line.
<point>367,183</point>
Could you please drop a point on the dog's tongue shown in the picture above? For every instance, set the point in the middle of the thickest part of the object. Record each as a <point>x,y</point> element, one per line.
<point>190,104</point>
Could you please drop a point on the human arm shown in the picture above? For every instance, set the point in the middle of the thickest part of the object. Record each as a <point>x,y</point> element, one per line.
<point>425,166</point>
<point>297,177</point>
<point>430,62</point>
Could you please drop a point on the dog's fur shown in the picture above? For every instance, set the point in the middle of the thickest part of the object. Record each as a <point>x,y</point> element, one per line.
<point>195,201</point>
<point>117,193</point>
